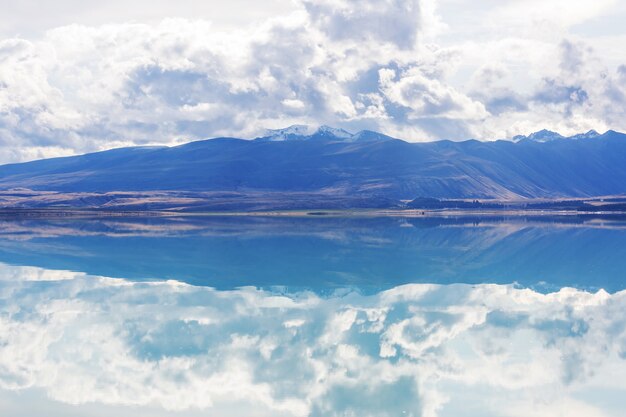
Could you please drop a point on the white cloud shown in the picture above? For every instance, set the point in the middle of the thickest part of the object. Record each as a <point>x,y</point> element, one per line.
<point>410,68</point>
<point>399,22</point>
<point>545,17</point>
<point>425,97</point>
<point>33,17</point>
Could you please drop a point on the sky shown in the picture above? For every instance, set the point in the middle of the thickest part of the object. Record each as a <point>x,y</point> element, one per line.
<point>79,75</point>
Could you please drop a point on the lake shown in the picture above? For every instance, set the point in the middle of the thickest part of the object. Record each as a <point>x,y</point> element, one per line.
<point>313,316</point>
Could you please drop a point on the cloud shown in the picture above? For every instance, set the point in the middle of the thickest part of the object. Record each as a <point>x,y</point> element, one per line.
<point>394,66</point>
<point>32,18</point>
<point>412,350</point>
<point>425,97</point>
<point>399,22</point>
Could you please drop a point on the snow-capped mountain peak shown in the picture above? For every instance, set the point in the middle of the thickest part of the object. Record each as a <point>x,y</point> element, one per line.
<point>304,132</point>
<point>541,136</point>
<point>293,131</point>
<point>588,135</point>
<point>335,132</point>
<point>545,135</point>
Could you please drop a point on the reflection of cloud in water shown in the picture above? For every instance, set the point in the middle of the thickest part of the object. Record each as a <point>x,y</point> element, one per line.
<point>415,350</point>
<point>10,273</point>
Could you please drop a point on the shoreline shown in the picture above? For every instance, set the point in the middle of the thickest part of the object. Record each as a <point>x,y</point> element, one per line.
<point>69,213</point>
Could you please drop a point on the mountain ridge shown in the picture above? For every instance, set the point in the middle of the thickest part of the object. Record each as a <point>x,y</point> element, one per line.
<point>545,135</point>
<point>366,168</point>
<point>303,132</point>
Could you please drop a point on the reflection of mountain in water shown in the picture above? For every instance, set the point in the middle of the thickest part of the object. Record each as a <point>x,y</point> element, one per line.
<point>369,253</point>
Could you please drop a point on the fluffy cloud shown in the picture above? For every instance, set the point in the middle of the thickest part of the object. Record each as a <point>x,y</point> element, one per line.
<point>395,21</point>
<point>415,350</point>
<point>395,65</point>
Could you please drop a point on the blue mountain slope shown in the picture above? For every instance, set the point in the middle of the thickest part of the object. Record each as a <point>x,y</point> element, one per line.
<point>366,163</point>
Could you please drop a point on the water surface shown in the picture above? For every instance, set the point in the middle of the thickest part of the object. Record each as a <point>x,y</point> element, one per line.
<point>324,253</point>
<point>313,317</point>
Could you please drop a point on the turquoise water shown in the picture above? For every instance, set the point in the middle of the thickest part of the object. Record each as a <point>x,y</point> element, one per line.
<point>313,317</point>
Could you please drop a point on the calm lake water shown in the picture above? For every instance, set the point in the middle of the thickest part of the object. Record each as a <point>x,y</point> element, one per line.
<point>317,316</point>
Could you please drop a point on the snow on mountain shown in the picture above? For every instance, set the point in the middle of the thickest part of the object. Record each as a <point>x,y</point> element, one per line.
<point>291,132</point>
<point>588,135</point>
<point>541,136</point>
<point>304,132</point>
<point>545,135</point>
<point>333,132</point>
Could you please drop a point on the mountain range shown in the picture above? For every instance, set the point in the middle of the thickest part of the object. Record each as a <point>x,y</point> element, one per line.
<point>362,169</point>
